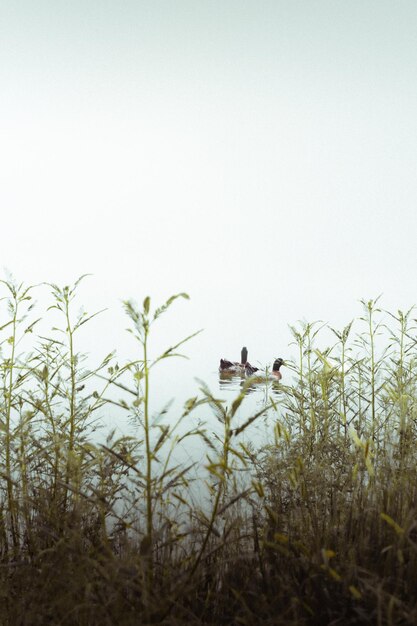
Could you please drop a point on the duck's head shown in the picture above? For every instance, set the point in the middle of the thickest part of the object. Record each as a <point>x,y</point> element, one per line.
<point>277,364</point>
<point>244,356</point>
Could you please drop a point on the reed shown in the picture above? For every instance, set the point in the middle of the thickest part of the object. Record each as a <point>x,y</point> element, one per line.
<point>317,525</point>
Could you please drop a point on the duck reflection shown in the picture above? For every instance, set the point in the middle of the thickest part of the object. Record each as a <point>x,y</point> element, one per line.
<point>249,379</point>
<point>231,380</point>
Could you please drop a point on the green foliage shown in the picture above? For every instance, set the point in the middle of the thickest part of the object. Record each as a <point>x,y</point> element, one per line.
<point>316,526</point>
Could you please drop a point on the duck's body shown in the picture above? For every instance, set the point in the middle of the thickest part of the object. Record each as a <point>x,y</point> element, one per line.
<point>250,370</point>
<point>274,375</point>
<point>234,367</point>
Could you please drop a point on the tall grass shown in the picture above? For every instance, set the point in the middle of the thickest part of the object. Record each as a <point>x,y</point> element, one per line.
<point>315,526</point>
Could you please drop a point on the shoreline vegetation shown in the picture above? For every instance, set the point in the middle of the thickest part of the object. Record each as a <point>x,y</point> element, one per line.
<point>317,526</point>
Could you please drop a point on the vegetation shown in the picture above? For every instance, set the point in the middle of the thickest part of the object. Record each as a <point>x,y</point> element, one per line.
<point>319,526</point>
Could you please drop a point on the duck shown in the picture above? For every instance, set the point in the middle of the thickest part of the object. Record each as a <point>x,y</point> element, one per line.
<point>234,367</point>
<point>274,375</point>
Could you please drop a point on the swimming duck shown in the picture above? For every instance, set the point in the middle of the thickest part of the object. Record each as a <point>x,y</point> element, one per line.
<point>233,367</point>
<point>274,375</point>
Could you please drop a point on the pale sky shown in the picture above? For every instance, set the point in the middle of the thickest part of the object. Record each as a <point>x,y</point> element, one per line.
<point>260,155</point>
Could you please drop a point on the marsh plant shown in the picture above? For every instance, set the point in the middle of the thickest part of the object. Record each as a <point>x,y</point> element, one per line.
<point>315,526</point>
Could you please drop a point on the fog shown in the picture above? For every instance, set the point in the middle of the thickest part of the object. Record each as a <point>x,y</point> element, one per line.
<point>260,156</point>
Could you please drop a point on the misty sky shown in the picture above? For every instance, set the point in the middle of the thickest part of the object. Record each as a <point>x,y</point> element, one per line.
<point>260,155</point>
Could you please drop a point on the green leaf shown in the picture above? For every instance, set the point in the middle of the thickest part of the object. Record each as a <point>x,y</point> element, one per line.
<point>392,523</point>
<point>168,303</point>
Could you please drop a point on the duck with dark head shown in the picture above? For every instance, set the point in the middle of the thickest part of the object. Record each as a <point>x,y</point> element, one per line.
<point>275,368</point>
<point>234,367</point>
<point>274,375</point>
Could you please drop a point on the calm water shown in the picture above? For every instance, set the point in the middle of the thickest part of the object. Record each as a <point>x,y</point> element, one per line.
<point>176,381</point>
